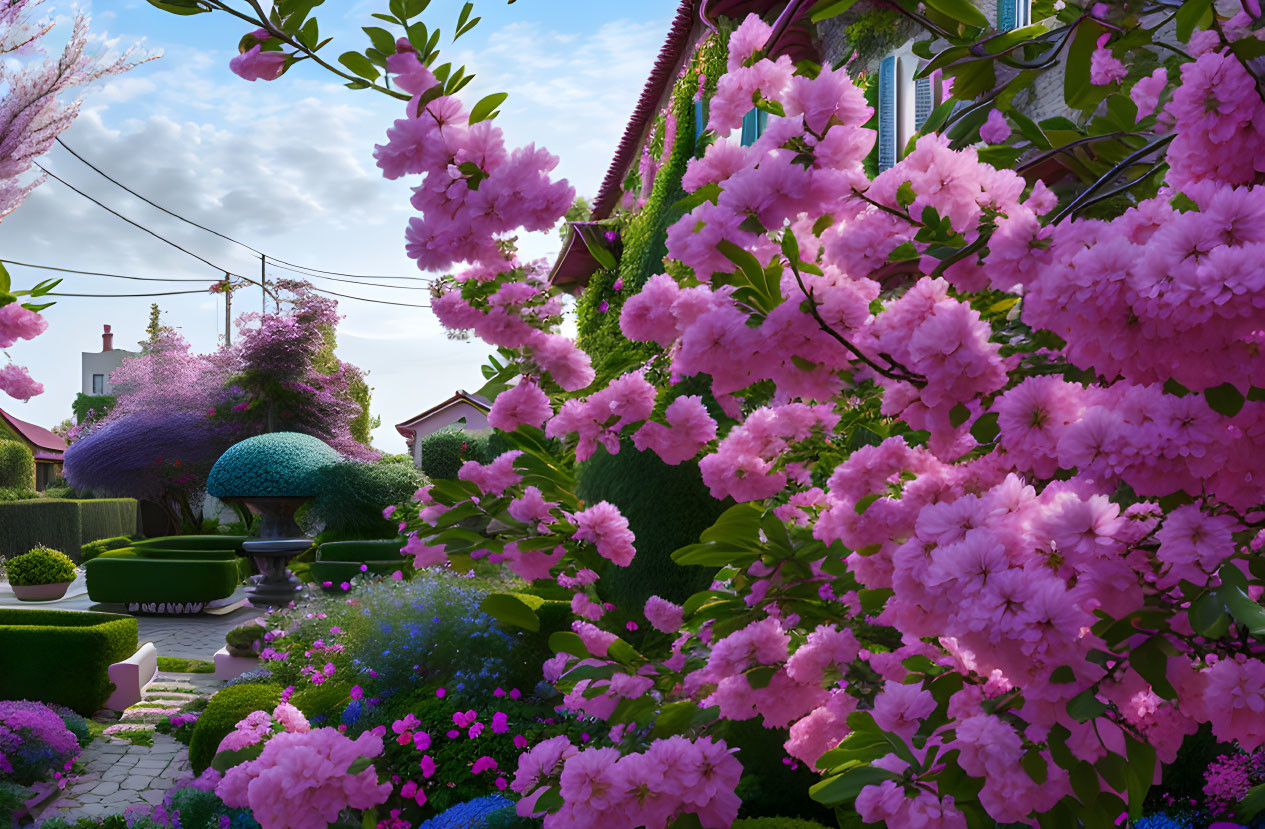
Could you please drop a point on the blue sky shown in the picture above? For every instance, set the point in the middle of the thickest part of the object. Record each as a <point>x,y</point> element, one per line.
<point>287,168</point>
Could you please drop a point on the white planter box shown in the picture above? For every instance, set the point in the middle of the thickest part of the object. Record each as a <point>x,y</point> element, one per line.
<point>131,676</point>
<point>228,666</point>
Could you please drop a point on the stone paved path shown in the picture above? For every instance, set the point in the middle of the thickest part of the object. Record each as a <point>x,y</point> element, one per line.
<point>119,774</point>
<point>192,637</point>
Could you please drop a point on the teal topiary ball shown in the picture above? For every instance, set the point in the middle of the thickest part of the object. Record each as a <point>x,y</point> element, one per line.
<point>281,464</point>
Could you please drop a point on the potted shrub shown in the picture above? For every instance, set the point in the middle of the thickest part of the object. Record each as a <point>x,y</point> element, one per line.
<point>247,640</point>
<point>40,575</point>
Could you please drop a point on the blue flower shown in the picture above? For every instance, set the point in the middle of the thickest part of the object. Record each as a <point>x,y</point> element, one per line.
<point>472,814</point>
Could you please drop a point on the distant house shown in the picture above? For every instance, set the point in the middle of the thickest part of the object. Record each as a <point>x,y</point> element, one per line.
<point>47,447</point>
<point>462,408</point>
<point>97,366</point>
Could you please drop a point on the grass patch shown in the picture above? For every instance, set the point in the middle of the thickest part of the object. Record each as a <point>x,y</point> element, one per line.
<point>136,738</point>
<point>177,665</point>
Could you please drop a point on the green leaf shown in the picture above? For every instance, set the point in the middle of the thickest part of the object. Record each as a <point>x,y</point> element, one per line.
<point>386,17</point>
<point>1208,617</point>
<point>1152,665</point>
<point>827,9</point>
<point>905,194</point>
<point>1193,14</point>
<point>985,429</point>
<point>1139,773</point>
<point>225,760</point>
<point>864,503</point>
<point>1253,804</point>
<point>790,247</point>
<point>359,65</point>
<point>183,7</point>
<point>958,415</point>
<point>1085,706</point>
<point>1078,92</point>
<point>843,788</point>
<point>680,717</point>
<point>821,225</point>
<point>706,193</point>
<point>412,8</point>
<point>486,109</point>
<point>1062,675</point>
<point>464,16</point>
<point>1246,612</point>
<point>5,283</point>
<point>1224,399</point>
<point>1036,766</point>
<point>511,610</point>
<point>904,253</point>
<point>874,600</point>
<point>382,40</point>
<point>962,10</point>
<point>360,764</point>
<point>564,641</point>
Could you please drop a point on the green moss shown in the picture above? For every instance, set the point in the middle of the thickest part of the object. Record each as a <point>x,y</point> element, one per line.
<point>93,549</point>
<point>280,464</point>
<point>225,710</point>
<point>17,465</point>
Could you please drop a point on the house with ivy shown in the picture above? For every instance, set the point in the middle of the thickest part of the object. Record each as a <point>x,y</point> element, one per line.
<point>608,256</point>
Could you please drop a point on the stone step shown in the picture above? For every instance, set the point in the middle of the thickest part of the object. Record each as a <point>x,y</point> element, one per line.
<point>146,715</point>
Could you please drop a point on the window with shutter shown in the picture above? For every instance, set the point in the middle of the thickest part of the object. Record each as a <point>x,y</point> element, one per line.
<point>753,125</point>
<point>1007,15</point>
<point>887,113</point>
<point>923,102</point>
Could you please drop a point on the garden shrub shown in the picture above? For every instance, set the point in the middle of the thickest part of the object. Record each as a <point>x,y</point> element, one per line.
<point>768,786</point>
<point>226,709</point>
<point>444,452</point>
<point>93,549</point>
<point>249,636</point>
<point>95,405</point>
<point>275,464</point>
<point>12,798</point>
<point>777,823</point>
<point>11,494</point>
<point>64,525</point>
<point>40,566</point>
<point>322,703</point>
<point>194,543</point>
<point>62,656</point>
<point>255,676</point>
<point>17,465</point>
<point>350,496</point>
<point>667,508</point>
<point>122,576</point>
<point>523,670</point>
<point>75,723</point>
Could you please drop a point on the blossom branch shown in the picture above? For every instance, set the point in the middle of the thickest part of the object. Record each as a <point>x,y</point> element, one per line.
<point>893,371</point>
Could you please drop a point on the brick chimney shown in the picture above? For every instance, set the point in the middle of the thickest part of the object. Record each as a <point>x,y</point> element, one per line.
<point>107,340</point>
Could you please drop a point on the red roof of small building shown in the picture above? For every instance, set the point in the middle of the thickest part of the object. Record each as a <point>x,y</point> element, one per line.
<point>46,445</point>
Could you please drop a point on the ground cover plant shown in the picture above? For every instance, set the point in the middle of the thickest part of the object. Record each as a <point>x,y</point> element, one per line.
<point>993,549</point>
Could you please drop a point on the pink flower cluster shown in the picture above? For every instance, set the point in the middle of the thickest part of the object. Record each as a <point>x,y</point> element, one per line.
<point>599,787</point>
<point>302,780</point>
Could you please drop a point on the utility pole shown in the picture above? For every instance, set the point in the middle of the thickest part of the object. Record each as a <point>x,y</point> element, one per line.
<point>263,283</point>
<point>228,311</point>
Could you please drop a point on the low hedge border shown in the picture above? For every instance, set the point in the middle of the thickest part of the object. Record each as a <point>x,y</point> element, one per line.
<point>122,576</point>
<point>62,656</point>
<point>93,549</point>
<point>63,524</point>
<point>194,543</point>
<point>222,714</point>
<point>386,550</point>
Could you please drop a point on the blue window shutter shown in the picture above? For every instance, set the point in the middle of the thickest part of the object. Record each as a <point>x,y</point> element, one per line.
<point>1007,15</point>
<point>700,119</point>
<point>750,127</point>
<point>887,113</point>
<point>923,103</point>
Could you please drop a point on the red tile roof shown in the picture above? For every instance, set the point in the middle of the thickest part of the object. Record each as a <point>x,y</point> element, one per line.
<point>46,445</point>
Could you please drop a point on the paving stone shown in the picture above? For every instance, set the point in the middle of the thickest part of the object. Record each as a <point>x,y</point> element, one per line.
<point>153,796</point>
<point>106,787</point>
<point>136,782</point>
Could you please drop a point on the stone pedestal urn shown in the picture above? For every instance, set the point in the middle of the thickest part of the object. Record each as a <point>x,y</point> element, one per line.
<point>272,475</point>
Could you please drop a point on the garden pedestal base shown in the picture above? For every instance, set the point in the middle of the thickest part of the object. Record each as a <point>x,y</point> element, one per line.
<point>275,586</point>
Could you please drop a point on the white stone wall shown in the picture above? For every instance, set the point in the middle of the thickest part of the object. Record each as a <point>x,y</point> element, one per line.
<point>103,363</point>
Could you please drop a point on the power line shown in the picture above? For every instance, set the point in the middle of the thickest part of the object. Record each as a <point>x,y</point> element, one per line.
<point>272,264</point>
<point>107,296</point>
<point>366,299</point>
<point>256,251</point>
<point>98,273</point>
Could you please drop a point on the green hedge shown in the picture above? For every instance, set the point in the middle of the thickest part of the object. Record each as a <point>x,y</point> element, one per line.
<point>64,525</point>
<point>350,496</point>
<point>444,452</point>
<point>337,572</point>
<point>360,551</point>
<point>119,577</point>
<point>222,714</point>
<point>62,656</point>
<point>231,543</point>
<point>667,508</point>
<point>93,549</point>
<point>17,465</point>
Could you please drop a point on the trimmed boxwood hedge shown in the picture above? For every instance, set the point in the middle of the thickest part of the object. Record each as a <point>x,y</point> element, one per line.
<point>17,465</point>
<point>93,549</point>
<point>360,550</point>
<point>123,576</point>
<point>200,543</point>
<point>64,525</point>
<point>225,710</point>
<point>62,656</point>
<point>444,451</point>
